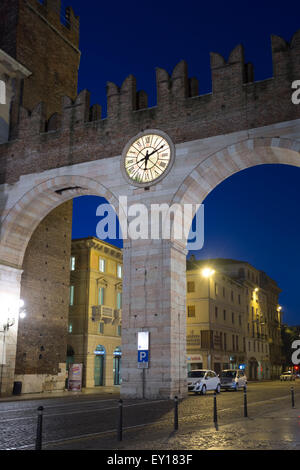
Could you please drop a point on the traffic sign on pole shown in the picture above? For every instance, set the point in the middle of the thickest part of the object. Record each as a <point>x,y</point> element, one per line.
<point>143,359</point>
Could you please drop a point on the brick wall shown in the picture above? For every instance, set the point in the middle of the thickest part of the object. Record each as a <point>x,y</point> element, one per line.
<point>33,33</point>
<point>42,335</point>
<point>236,103</point>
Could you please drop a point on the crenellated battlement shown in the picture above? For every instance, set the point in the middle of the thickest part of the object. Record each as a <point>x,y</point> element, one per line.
<point>228,78</point>
<point>236,103</point>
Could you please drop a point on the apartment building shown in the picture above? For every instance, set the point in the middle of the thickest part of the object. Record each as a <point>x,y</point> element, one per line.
<point>233,318</point>
<point>95,315</point>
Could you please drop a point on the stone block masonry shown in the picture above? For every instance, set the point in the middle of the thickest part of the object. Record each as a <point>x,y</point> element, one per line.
<point>42,335</point>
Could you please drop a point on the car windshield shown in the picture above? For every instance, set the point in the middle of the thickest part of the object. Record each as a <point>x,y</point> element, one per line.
<point>196,373</point>
<point>228,373</point>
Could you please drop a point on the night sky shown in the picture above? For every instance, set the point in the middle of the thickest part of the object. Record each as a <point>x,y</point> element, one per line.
<point>254,214</point>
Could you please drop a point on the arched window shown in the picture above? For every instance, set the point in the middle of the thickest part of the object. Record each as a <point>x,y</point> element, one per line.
<point>2,92</point>
<point>117,366</point>
<point>100,350</point>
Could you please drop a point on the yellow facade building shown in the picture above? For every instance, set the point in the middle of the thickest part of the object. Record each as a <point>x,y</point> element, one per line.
<point>95,315</point>
<point>233,318</point>
<point>216,319</point>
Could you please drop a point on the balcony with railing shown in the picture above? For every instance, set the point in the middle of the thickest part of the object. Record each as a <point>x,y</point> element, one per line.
<point>106,314</point>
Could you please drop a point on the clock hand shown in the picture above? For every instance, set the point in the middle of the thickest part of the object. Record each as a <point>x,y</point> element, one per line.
<point>135,163</point>
<point>142,159</point>
<point>146,160</point>
<point>155,151</point>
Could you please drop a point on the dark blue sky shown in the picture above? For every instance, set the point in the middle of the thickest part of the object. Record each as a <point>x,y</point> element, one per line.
<point>253,215</point>
<point>135,37</point>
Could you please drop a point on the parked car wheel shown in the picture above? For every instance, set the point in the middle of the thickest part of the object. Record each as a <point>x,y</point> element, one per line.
<point>218,389</point>
<point>203,390</point>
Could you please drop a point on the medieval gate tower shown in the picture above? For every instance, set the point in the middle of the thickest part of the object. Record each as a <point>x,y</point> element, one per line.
<point>55,147</point>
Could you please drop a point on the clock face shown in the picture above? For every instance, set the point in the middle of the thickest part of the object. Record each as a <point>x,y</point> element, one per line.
<point>147,158</point>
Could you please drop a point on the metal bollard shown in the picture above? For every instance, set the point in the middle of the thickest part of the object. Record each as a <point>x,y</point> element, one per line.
<point>293,397</point>
<point>120,421</point>
<point>38,442</point>
<point>215,411</point>
<point>245,402</point>
<point>175,413</point>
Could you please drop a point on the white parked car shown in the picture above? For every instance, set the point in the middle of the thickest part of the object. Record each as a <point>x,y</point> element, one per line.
<point>233,379</point>
<point>287,376</point>
<point>202,380</point>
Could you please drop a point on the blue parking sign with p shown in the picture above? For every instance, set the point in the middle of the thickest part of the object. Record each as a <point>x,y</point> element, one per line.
<point>143,356</point>
<point>143,359</point>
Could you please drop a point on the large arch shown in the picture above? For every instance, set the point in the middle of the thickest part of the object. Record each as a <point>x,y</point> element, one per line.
<point>17,227</point>
<point>220,165</point>
<point>34,205</point>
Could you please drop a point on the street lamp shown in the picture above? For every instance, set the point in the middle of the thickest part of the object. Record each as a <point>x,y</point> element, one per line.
<point>208,272</point>
<point>9,309</point>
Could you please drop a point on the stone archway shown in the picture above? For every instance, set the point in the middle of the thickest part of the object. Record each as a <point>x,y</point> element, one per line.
<point>154,270</point>
<point>17,228</point>
<point>20,222</point>
<point>218,166</point>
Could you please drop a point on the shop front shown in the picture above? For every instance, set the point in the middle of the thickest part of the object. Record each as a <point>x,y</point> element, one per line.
<point>194,361</point>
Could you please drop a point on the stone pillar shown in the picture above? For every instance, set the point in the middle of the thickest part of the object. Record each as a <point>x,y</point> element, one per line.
<point>10,281</point>
<point>154,292</point>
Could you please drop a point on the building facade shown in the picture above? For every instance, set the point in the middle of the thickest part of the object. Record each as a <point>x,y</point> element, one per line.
<point>233,318</point>
<point>95,314</point>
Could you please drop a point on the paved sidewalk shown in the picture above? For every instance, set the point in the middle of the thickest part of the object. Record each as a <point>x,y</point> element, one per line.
<point>274,430</point>
<point>115,390</point>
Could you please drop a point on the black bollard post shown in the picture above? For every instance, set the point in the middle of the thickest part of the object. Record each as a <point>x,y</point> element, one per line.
<point>215,411</point>
<point>120,421</point>
<point>245,402</point>
<point>175,413</point>
<point>293,397</point>
<point>38,442</point>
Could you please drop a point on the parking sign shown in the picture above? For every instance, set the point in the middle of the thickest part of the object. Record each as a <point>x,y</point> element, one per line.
<point>143,359</point>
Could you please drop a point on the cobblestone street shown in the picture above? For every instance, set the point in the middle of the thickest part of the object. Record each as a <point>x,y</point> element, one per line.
<point>86,421</point>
